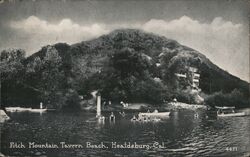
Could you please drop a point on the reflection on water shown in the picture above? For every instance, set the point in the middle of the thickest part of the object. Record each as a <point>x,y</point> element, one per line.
<point>183,133</point>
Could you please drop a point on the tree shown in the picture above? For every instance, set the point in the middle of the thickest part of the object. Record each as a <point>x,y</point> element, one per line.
<point>127,62</point>
<point>11,64</point>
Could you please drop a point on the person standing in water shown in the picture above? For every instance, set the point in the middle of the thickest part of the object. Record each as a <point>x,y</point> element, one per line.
<point>41,105</point>
<point>112,117</point>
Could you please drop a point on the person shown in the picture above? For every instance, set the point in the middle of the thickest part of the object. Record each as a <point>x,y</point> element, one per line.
<point>196,115</point>
<point>134,118</point>
<point>112,116</point>
<point>126,104</point>
<point>174,100</point>
<point>41,105</point>
<point>122,113</point>
<point>123,104</point>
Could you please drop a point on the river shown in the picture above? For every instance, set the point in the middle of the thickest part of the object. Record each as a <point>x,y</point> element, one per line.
<point>181,134</point>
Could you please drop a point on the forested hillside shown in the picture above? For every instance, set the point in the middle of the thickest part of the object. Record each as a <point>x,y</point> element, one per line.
<point>125,65</point>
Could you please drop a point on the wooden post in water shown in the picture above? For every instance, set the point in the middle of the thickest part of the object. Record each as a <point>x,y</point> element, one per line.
<point>98,105</point>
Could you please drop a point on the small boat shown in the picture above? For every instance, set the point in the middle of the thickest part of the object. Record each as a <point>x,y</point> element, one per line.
<point>228,112</point>
<point>17,109</point>
<point>25,109</point>
<point>38,110</point>
<point>154,114</point>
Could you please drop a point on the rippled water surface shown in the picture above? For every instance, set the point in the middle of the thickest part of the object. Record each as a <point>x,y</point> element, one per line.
<point>182,134</point>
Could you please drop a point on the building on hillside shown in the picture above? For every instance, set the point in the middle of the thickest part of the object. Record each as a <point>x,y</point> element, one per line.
<point>191,76</point>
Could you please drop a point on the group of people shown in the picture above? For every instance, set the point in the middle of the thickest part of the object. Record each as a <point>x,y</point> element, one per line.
<point>144,119</point>
<point>112,115</point>
<point>125,105</point>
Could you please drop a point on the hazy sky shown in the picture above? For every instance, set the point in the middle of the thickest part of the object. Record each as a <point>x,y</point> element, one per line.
<point>216,28</point>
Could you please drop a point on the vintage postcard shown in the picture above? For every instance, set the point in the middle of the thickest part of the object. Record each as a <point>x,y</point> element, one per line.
<point>135,78</point>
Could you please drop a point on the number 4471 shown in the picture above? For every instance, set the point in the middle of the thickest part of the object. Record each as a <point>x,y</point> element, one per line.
<point>231,149</point>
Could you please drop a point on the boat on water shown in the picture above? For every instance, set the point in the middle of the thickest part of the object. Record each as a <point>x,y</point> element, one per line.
<point>154,114</point>
<point>17,109</point>
<point>226,111</point>
<point>150,116</point>
<point>26,109</point>
<point>40,110</point>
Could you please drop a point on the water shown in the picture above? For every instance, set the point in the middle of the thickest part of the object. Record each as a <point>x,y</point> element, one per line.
<point>182,134</point>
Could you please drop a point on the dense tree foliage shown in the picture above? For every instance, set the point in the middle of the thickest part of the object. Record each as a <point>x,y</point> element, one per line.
<point>234,98</point>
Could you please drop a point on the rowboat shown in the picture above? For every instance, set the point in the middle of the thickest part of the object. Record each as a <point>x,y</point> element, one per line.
<point>154,114</point>
<point>231,114</point>
<point>228,112</point>
<point>38,110</point>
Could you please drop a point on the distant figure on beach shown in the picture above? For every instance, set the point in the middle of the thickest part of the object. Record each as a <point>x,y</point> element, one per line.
<point>122,103</point>
<point>174,100</point>
<point>125,105</point>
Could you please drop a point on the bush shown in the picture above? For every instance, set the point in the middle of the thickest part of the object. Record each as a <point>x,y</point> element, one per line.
<point>185,96</point>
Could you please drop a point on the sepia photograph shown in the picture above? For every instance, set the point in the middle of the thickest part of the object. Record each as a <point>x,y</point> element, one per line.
<point>124,78</point>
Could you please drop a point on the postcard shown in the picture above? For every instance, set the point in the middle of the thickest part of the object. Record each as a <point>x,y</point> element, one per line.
<point>119,78</point>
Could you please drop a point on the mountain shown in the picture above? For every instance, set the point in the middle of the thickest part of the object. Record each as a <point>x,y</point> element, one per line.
<point>126,65</point>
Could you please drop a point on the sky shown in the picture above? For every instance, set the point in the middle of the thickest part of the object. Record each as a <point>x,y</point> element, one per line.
<point>217,28</point>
